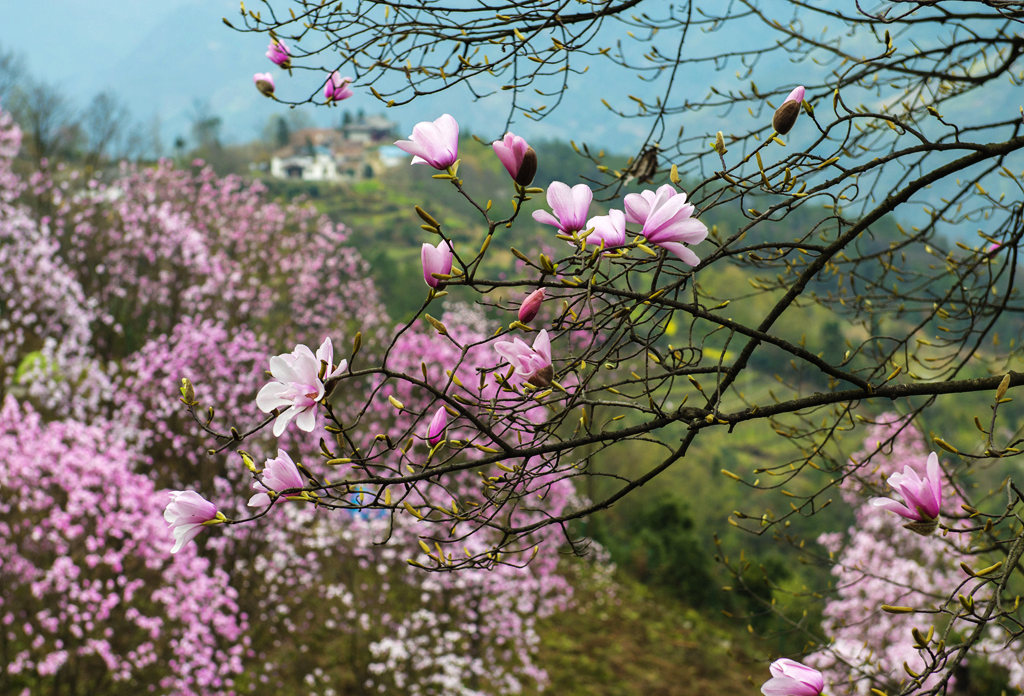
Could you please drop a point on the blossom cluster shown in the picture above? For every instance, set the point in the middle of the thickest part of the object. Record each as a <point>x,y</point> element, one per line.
<point>336,88</point>
<point>161,273</point>
<point>878,563</point>
<point>664,216</point>
<point>88,585</point>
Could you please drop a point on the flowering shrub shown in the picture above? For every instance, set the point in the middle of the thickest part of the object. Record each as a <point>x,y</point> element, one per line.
<point>89,596</point>
<point>878,563</point>
<point>125,288</point>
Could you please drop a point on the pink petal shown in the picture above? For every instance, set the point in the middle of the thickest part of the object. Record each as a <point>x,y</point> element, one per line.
<point>934,483</point>
<point>306,420</point>
<point>259,500</point>
<point>283,420</point>
<point>510,151</point>
<point>690,231</point>
<point>282,368</point>
<point>894,506</point>
<point>448,128</point>
<point>674,210</point>
<point>542,346</point>
<point>272,395</point>
<point>546,218</point>
<point>683,252</point>
<point>787,686</point>
<point>637,208</point>
<point>184,534</point>
<point>796,95</point>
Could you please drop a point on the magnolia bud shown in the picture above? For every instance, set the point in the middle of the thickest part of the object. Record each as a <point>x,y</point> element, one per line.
<point>264,83</point>
<point>785,115</point>
<point>518,158</point>
<point>531,305</point>
<point>435,432</point>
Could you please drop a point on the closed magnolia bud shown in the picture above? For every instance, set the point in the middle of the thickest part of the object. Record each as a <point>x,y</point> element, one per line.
<point>264,83</point>
<point>531,305</point>
<point>188,392</point>
<point>785,116</point>
<point>438,424</point>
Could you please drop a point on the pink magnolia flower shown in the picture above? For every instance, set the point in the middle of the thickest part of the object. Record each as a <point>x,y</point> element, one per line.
<point>436,260</point>
<point>433,142</point>
<point>667,222</point>
<point>279,54</point>
<point>531,305</point>
<point>186,514</point>
<point>570,206</point>
<point>264,83</point>
<point>922,497</point>
<point>299,385</point>
<point>337,88</point>
<point>435,432</point>
<point>609,229</point>
<point>279,474</point>
<point>791,678</point>
<point>785,116</point>
<point>532,364</point>
<point>519,158</point>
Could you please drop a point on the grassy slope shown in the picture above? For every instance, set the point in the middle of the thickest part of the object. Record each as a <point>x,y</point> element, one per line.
<point>638,641</point>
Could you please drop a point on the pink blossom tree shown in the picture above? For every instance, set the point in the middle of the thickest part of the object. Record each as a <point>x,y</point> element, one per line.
<point>896,593</point>
<point>161,274</point>
<point>90,599</point>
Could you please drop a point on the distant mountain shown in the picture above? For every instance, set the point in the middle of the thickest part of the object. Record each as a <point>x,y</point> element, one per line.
<point>164,58</point>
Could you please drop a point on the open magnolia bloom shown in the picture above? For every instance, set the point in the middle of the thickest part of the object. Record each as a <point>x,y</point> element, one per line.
<point>279,474</point>
<point>792,678</point>
<point>922,497</point>
<point>532,364</point>
<point>337,88</point>
<point>667,221</point>
<point>433,142</point>
<point>186,514</point>
<point>279,54</point>
<point>570,207</point>
<point>298,385</point>
<point>609,229</point>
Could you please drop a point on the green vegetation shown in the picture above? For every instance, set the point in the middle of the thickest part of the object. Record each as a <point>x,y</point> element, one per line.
<point>660,629</point>
<point>626,638</point>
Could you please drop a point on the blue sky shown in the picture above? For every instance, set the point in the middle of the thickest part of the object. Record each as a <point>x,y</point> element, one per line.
<point>160,56</point>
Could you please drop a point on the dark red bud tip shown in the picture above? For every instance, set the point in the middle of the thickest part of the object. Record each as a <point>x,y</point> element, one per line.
<point>785,116</point>
<point>528,169</point>
<point>542,377</point>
